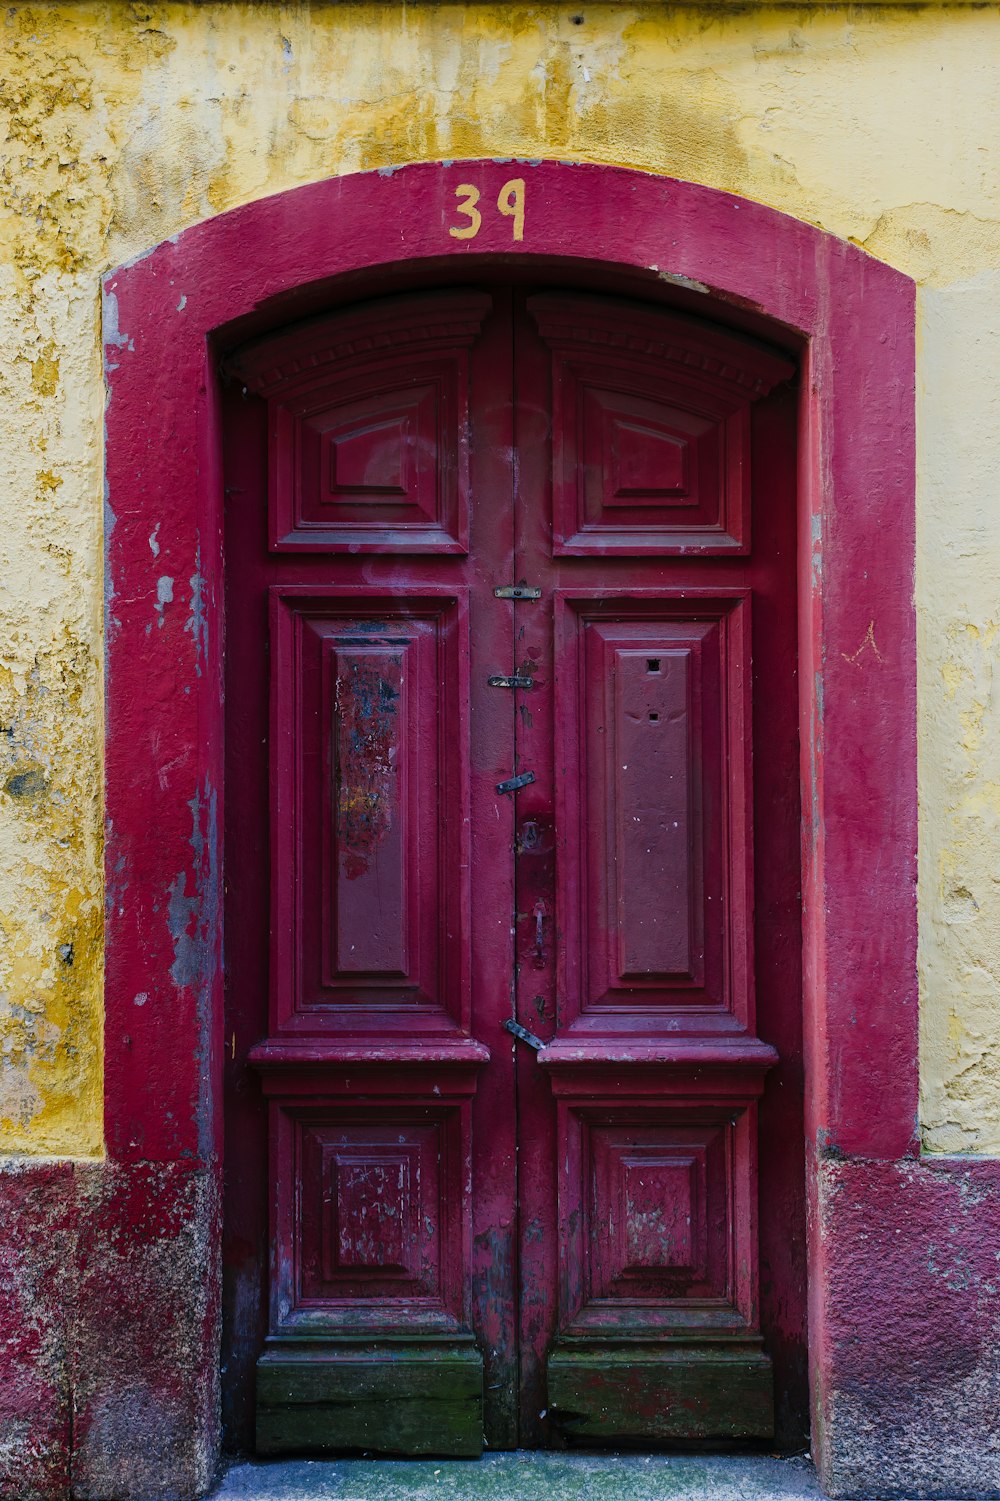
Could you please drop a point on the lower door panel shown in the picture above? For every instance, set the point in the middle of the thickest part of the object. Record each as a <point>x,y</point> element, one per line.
<point>658,1335</point>
<point>370,1349</point>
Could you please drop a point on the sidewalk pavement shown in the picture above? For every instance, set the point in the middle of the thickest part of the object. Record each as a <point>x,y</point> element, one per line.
<point>524,1476</point>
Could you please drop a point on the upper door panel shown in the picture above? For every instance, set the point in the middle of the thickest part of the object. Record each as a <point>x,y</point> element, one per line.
<point>368,413</point>
<point>650,428</point>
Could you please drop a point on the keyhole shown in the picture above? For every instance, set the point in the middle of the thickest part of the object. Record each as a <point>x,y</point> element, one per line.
<point>652,664</point>
<point>654,716</point>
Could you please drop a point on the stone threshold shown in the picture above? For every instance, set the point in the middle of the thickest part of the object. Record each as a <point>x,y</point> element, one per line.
<point>527,1476</point>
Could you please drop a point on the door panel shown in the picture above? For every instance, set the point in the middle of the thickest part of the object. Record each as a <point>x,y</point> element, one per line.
<point>650,718</point>
<point>370,823</point>
<point>368,418</point>
<point>650,428</point>
<point>384,745</point>
<point>469,1241</point>
<point>643,631</point>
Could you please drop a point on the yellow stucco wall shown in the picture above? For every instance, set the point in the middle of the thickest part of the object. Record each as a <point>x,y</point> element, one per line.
<point>127,122</point>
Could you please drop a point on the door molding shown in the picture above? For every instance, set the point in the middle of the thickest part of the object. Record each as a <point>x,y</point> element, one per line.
<point>852,319</point>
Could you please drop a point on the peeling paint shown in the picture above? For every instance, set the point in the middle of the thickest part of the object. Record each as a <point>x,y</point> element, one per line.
<point>197,621</point>
<point>182,915</point>
<point>164,595</point>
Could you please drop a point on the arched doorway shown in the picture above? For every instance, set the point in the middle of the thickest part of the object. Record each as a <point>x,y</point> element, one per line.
<point>275,261</point>
<point>510,594</point>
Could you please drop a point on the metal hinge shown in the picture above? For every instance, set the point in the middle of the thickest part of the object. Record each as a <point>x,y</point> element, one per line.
<point>522,1034</point>
<point>517,591</point>
<point>514,682</point>
<point>514,783</point>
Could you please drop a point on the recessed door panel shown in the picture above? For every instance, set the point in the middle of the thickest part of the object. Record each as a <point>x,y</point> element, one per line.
<point>658,849</point>
<point>370,767</point>
<point>657,1219</point>
<point>650,429</point>
<point>368,417</point>
<point>374,1227</point>
<point>650,714</point>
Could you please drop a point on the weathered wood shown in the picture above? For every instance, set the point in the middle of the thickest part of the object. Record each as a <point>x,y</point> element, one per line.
<point>631,1394</point>
<point>389,1401</point>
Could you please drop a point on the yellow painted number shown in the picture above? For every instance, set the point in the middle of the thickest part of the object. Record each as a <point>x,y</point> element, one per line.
<point>510,202</point>
<point>469,197</point>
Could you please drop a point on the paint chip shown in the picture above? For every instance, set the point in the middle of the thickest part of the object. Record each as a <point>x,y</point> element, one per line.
<point>164,594</point>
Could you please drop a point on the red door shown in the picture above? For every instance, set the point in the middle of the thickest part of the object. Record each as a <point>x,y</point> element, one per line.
<point>510,599</point>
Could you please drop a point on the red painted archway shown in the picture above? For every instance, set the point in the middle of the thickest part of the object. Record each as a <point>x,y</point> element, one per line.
<point>268,262</point>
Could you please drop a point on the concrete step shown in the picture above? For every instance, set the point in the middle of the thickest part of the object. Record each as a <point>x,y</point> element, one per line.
<point>527,1476</point>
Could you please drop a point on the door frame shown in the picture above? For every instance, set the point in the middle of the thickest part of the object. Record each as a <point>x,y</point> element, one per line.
<point>852,320</point>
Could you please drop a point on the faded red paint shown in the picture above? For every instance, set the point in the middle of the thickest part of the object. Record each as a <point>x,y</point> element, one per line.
<point>909,1325</point>
<point>37,1220</point>
<point>279,258</point>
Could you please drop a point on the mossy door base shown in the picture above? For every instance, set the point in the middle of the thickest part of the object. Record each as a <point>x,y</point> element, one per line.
<point>321,1397</point>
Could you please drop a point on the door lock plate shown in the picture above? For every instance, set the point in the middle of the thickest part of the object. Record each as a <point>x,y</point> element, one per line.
<point>512,784</point>
<point>513,682</point>
<point>522,1034</point>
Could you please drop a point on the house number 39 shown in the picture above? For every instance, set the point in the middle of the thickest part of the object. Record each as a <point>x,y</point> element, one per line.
<point>510,203</point>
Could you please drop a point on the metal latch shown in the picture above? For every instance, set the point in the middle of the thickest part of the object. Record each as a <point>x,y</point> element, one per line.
<point>539,915</point>
<point>517,591</point>
<point>513,682</point>
<point>522,1034</point>
<point>514,783</point>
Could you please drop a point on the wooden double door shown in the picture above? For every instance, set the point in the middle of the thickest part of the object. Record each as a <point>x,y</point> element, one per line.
<point>510,598</point>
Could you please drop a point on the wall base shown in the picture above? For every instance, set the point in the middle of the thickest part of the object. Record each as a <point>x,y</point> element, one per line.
<point>109,1330</point>
<point>109,1319</point>
<point>907,1352</point>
